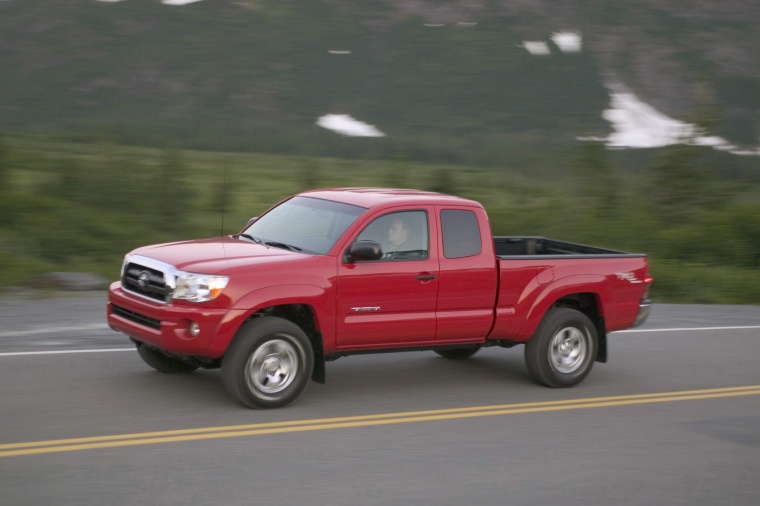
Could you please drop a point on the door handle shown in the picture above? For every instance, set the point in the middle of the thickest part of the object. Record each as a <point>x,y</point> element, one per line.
<point>424,277</point>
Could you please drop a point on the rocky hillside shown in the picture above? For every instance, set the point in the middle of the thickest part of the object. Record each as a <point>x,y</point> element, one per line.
<point>430,76</point>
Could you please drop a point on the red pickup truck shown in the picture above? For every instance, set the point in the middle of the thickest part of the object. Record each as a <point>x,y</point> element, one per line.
<point>335,272</point>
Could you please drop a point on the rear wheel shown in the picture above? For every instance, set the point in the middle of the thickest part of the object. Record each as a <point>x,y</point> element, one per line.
<point>563,349</point>
<point>163,362</point>
<point>268,364</point>
<point>458,353</point>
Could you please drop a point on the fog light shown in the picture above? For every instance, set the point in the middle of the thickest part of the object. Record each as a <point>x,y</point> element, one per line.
<point>194,329</point>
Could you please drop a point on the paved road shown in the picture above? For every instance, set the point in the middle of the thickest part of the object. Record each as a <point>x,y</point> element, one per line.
<point>673,418</point>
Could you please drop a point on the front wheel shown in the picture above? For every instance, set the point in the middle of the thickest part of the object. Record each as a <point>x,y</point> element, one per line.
<point>268,364</point>
<point>563,349</point>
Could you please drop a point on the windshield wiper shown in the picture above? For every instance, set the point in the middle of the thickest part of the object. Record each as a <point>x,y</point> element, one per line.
<point>289,247</point>
<point>274,244</point>
<point>254,239</point>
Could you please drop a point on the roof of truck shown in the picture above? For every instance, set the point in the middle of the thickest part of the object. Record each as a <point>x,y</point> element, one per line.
<point>371,197</point>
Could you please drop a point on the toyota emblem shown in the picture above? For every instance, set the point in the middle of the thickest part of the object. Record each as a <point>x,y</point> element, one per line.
<point>143,279</point>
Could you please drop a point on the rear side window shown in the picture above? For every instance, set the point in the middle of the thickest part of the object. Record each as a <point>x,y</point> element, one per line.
<point>461,234</point>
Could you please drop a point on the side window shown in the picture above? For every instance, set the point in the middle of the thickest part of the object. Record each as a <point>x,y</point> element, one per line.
<point>461,234</point>
<point>403,235</point>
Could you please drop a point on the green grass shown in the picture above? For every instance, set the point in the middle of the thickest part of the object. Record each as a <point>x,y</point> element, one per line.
<point>686,283</point>
<point>81,206</point>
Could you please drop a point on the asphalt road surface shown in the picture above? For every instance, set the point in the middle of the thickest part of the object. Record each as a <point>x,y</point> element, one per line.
<point>673,418</point>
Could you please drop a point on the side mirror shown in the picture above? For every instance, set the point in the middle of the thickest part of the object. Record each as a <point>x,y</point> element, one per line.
<point>363,250</point>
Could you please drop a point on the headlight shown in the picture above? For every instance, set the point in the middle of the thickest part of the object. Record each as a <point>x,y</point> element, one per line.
<point>199,287</point>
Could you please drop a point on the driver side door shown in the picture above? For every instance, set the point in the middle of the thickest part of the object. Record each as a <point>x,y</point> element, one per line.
<point>391,301</point>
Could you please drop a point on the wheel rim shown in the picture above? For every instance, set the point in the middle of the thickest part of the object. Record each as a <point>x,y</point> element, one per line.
<point>568,350</point>
<point>272,367</point>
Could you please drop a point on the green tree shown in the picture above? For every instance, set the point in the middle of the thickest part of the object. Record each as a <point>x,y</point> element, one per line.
<point>444,182</point>
<point>174,198</point>
<point>308,174</point>
<point>680,187</point>
<point>396,176</point>
<point>5,181</point>
<point>597,182</point>
<point>8,212</point>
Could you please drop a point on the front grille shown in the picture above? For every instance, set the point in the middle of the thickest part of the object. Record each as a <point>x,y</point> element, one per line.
<point>146,281</point>
<point>136,317</point>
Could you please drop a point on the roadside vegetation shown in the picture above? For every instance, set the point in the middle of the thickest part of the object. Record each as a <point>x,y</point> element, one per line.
<point>69,206</point>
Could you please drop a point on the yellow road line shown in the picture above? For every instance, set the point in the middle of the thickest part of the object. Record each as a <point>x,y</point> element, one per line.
<point>170,436</point>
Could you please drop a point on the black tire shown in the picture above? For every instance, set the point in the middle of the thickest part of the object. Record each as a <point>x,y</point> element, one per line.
<point>268,364</point>
<point>162,362</point>
<point>563,349</point>
<point>458,353</point>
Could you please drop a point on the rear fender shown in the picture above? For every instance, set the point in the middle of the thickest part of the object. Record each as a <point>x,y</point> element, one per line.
<point>556,290</point>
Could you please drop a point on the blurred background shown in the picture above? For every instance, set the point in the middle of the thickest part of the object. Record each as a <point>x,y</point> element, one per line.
<point>628,125</point>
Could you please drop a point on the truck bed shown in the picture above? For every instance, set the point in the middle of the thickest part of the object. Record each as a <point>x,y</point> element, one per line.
<point>510,247</point>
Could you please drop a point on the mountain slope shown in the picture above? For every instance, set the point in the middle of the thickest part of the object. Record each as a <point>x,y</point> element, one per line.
<point>444,77</point>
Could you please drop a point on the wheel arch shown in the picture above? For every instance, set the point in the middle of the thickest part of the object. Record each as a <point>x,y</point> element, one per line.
<point>563,350</point>
<point>303,315</point>
<point>588,303</point>
<point>583,294</point>
<point>269,362</point>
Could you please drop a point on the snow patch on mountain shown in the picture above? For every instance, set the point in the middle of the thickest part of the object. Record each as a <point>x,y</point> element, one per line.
<point>637,124</point>
<point>346,125</point>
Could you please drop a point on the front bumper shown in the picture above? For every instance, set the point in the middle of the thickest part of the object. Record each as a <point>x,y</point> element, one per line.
<point>167,326</point>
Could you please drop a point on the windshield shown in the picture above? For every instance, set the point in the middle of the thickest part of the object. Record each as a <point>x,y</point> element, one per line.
<point>304,224</point>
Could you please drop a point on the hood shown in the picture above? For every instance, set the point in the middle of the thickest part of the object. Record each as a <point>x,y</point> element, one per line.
<point>213,256</point>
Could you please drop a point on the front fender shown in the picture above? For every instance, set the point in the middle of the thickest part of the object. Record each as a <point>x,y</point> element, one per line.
<point>312,295</point>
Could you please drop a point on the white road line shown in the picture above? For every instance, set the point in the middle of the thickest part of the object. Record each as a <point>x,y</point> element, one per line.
<point>61,352</point>
<point>684,329</point>
<point>52,330</point>
<point>108,350</point>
